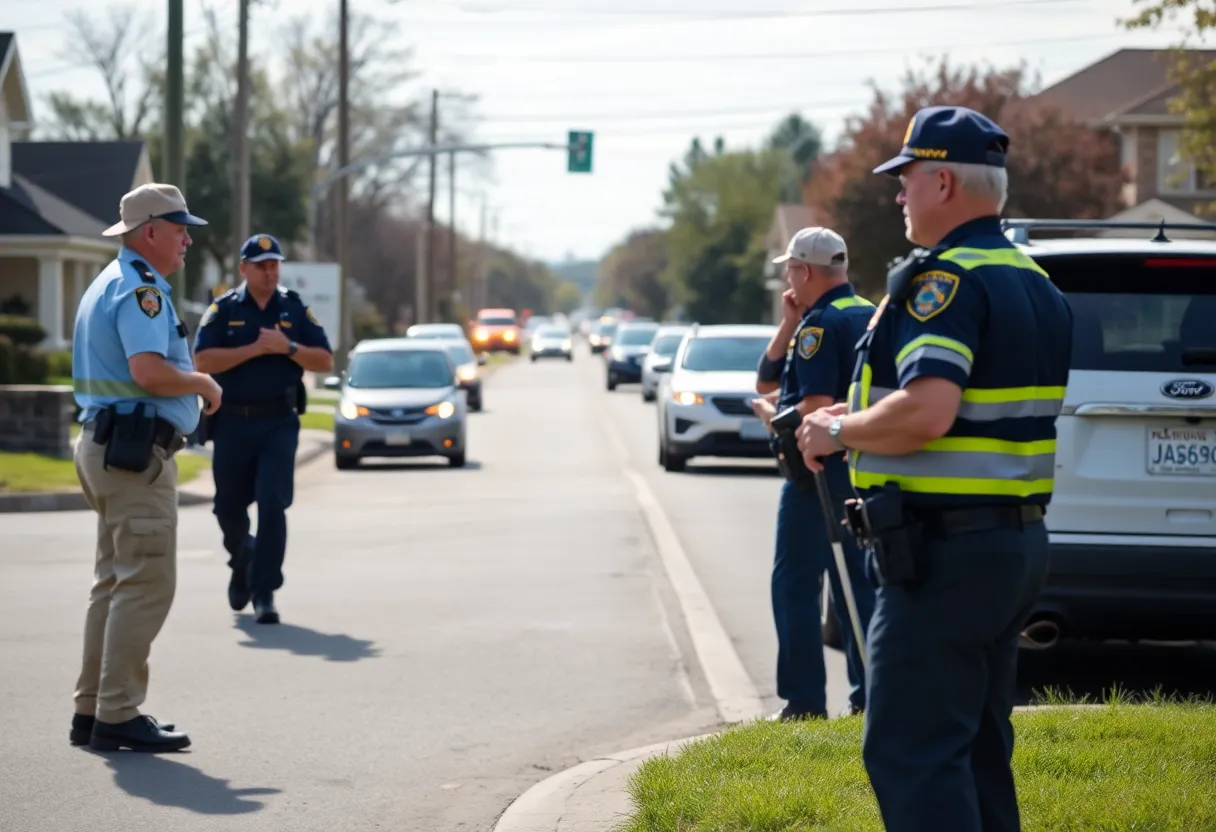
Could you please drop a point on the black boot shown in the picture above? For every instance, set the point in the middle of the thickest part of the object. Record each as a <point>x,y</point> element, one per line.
<point>138,734</point>
<point>238,584</point>
<point>264,610</point>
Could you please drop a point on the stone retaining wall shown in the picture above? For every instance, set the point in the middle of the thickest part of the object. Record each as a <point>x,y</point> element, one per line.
<point>36,419</point>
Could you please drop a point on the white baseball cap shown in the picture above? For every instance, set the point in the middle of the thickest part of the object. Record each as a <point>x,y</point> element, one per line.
<point>816,247</point>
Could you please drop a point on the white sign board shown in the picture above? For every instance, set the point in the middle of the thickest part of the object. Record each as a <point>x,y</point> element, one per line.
<point>318,286</point>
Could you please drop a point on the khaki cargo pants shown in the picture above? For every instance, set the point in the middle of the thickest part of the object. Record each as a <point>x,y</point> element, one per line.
<point>134,578</point>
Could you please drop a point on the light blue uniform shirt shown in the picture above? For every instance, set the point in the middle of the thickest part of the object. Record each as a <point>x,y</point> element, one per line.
<point>120,315</point>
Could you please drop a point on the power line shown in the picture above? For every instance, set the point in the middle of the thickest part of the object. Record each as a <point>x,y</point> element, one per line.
<point>761,56</point>
<point>749,14</point>
<point>666,113</point>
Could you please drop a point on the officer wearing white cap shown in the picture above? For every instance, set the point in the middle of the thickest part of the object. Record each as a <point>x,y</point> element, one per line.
<point>808,364</point>
<point>951,436</point>
<point>138,393</point>
<point>258,340</point>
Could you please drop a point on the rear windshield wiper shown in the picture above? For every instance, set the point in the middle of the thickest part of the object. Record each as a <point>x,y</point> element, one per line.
<point>1199,356</point>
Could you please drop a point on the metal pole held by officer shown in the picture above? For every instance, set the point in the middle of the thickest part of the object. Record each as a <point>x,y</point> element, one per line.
<point>138,395</point>
<point>257,341</point>
<point>807,366</point>
<point>951,431</point>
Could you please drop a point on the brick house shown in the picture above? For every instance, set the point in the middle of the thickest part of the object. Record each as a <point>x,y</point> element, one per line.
<point>1128,93</point>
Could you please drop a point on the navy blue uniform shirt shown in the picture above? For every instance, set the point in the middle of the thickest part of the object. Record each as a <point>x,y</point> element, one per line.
<point>821,356</point>
<point>235,320</point>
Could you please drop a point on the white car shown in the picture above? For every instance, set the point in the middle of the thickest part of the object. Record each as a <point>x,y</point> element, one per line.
<point>704,407</point>
<point>1133,517</point>
<point>662,350</point>
<point>551,340</point>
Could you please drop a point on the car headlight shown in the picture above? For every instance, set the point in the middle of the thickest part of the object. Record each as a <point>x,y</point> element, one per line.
<point>467,372</point>
<point>687,397</point>
<point>509,335</point>
<point>566,344</point>
<point>481,334</point>
<point>443,410</point>
<point>350,410</point>
<point>594,339</point>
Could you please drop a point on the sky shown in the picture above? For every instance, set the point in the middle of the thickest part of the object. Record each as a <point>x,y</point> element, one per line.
<point>646,76</point>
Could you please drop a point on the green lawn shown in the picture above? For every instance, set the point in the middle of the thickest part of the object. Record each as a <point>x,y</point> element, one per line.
<point>1115,767</point>
<point>33,473</point>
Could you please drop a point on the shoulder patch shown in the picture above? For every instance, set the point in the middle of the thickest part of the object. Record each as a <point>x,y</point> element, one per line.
<point>150,300</point>
<point>209,315</point>
<point>311,317</point>
<point>931,293</point>
<point>809,339</point>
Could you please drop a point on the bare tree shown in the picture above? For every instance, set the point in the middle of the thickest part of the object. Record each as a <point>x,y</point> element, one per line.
<point>115,44</point>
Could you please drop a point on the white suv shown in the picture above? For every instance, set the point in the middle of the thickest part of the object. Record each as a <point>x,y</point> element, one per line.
<point>1133,517</point>
<point>704,407</point>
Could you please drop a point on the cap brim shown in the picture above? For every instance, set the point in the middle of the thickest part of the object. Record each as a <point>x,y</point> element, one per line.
<point>777,261</point>
<point>182,218</point>
<point>892,166</point>
<point>267,255</point>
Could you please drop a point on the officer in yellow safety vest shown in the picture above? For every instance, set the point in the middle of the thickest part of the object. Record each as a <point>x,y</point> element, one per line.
<point>950,431</point>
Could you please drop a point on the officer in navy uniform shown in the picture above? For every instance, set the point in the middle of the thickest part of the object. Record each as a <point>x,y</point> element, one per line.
<point>809,363</point>
<point>951,431</point>
<point>257,341</point>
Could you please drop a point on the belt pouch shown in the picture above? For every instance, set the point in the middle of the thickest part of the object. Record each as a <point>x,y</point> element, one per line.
<point>131,441</point>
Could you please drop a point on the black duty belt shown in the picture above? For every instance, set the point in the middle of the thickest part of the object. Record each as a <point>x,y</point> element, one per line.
<point>255,411</point>
<point>165,434</point>
<point>957,521</point>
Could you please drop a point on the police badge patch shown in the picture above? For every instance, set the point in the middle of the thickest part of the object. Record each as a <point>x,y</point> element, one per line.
<point>149,300</point>
<point>809,339</point>
<point>209,315</point>
<point>311,317</point>
<point>931,293</point>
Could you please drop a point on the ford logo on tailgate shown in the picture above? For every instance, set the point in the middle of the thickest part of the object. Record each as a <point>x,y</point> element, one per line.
<point>1187,388</point>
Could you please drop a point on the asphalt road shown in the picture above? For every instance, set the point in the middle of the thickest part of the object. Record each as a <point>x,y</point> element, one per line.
<point>450,637</point>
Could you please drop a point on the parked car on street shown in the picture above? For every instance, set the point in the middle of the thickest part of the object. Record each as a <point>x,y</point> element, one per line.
<point>629,347</point>
<point>662,349</point>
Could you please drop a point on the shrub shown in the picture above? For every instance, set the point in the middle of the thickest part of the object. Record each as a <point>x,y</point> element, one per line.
<point>21,331</point>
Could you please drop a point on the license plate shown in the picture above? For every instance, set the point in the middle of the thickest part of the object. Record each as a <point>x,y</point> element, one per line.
<point>753,430</point>
<point>397,439</point>
<point>1182,451</point>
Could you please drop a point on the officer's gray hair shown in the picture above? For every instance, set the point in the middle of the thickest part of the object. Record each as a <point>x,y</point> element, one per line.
<point>834,272</point>
<point>979,180</point>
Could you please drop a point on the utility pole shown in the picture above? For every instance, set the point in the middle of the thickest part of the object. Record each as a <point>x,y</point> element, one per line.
<point>430,215</point>
<point>343,205</point>
<point>452,288</point>
<point>240,139</point>
<point>483,258</point>
<point>175,155</point>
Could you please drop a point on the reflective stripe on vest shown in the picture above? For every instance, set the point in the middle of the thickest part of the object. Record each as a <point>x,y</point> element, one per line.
<point>109,388</point>
<point>849,302</point>
<point>960,465</point>
<point>973,258</point>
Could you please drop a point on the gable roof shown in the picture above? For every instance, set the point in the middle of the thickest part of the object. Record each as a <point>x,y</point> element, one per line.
<point>67,218</point>
<point>1129,82</point>
<point>18,216</point>
<point>92,176</point>
<point>12,81</point>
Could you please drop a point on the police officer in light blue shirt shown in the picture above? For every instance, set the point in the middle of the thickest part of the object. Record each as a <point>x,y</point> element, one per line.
<point>138,394</point>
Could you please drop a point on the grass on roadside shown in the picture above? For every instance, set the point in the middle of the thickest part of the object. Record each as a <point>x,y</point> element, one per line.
<point>34,473</point>
<point>1119,766</point>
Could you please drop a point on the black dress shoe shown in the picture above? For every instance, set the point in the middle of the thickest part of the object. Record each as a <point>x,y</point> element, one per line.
<point>138,734</point>
<point>792,713</point>
<point>82,728</point>
<point>238,588</point>
<point>264,611</point>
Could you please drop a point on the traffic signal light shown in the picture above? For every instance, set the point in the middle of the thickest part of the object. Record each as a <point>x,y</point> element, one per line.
<point>579,151</point>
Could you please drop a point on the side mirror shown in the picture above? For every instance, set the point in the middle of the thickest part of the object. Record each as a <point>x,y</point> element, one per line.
<point>333,383</point>
<point>481,359</point>
<point>663,366</point>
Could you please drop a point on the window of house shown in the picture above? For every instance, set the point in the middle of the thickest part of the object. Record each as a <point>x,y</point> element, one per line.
<point>1175,173</point>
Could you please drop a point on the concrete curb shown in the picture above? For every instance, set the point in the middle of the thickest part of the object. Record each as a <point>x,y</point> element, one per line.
<point>197,492</point>
<point>545,806</point>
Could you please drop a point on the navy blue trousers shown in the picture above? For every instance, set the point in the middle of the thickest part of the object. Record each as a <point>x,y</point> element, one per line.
<point>943,666</point>
<point>254,460</point>
<point>803,552</point>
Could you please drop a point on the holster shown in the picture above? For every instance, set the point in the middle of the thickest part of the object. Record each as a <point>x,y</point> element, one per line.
<point>790,462</point>
<point>128,437</point>
<point>895,541</point>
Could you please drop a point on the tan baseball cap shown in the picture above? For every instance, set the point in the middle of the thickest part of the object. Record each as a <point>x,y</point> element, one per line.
<point>150,202</point>
<point>817,247</point>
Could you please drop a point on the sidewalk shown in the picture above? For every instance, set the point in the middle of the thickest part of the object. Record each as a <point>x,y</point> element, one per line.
<point>199,491</point>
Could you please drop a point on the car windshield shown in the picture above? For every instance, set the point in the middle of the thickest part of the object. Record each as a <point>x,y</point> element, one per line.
<point>666,345</point>
<point>606,329</point>
<point>405,368</point>
<point>551,332</point>
<point>461,354</point>
<point>497,321</point>
<point>436,332</point>
<point>724,354</point>
<point>636,336</point>
<point>1149,314</point>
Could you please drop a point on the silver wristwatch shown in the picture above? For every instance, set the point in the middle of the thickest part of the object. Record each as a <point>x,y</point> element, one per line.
<point>834,430</point>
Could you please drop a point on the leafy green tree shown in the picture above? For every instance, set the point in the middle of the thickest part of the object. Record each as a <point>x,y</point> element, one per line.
<point>567,297</point>
<point>803,142</point>
<point>631,275</point>
<point>720,208</point>
<point>1194,72</point>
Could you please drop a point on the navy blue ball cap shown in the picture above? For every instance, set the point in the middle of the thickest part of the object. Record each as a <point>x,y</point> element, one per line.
<point>950,134</point>
<point>261,247</point>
